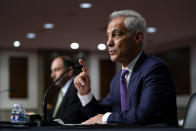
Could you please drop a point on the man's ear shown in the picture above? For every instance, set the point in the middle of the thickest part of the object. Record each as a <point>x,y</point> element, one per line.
<point>138,37</point>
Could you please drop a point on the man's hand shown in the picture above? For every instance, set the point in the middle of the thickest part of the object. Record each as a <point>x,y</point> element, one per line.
<point>82,81</point>
<point>94,120</point>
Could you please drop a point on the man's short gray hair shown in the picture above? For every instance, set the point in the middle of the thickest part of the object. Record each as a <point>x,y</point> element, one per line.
<point>134,22</point>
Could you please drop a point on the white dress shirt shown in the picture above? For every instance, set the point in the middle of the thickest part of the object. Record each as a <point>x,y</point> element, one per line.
<point>66,86</point>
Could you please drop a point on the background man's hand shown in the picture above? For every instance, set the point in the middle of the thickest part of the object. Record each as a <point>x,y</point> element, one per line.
<point>82,81</point>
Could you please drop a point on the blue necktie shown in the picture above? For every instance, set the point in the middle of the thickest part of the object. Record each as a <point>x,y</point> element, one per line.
<point>123,89</point>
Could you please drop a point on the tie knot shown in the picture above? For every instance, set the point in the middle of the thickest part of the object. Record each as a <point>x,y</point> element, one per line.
<point>124,72</point>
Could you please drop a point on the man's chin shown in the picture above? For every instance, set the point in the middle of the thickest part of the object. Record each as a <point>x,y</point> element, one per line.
<point>113,58</point>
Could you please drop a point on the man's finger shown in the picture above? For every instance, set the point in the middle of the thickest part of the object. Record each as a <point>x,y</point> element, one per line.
<point>85,122</point>
<point>83,64</point>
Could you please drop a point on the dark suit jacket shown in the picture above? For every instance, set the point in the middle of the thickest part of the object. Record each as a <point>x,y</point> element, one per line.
<point>151,96</point>
<point>70,108</point>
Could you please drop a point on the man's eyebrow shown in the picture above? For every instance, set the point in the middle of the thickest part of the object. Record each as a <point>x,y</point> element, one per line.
<point>117,29</point>
<point>113,30</point>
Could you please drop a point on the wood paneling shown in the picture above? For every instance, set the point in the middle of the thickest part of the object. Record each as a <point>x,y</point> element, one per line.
<point>18,77</point>
<point>107,72</point>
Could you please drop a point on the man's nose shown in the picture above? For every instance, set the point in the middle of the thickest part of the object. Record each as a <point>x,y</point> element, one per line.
<point>110,42</point>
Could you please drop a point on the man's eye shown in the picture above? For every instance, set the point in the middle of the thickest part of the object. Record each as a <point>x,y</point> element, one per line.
<point>58,69</point>
<point>116,35</point>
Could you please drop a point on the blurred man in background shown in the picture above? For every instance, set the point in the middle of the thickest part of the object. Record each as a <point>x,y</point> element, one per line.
<point>66,104</point>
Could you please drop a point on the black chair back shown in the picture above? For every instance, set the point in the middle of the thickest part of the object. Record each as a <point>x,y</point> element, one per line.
<point>190,116</point>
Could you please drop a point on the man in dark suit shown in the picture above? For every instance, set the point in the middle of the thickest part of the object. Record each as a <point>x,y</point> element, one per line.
<point>67,104</point>
<point>143,92</point>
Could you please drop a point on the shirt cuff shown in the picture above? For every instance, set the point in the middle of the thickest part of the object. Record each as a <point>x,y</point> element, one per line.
<point>85,99</point>
<point>105,117</point>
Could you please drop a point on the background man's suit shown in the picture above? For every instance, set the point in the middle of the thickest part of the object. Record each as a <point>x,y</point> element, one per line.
<point>151,96</point>
<point>69,110</point>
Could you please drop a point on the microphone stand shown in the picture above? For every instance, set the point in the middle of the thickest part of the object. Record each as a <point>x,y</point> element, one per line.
<point>5,90</point>
<point>51,86</point>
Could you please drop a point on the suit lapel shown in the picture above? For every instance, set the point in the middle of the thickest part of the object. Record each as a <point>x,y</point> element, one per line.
<point>135,76</point>
<point>66,97</point>
<point>67,94</point>
<point>133,82</point>
<point>55,99</point>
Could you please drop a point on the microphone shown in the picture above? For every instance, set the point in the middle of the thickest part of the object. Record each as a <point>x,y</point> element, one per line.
<point>51,86</point>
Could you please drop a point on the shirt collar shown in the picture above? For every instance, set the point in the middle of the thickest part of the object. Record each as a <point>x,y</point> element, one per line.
<point>130,66</point>
<point>67,84</point>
